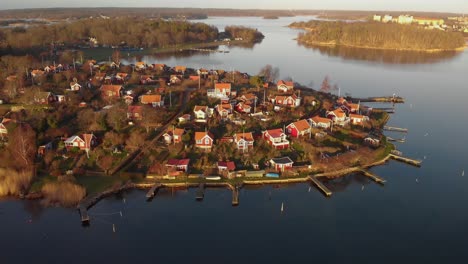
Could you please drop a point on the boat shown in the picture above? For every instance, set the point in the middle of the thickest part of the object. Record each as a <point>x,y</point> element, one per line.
<point>463,173</point>
<point>213,178</point>
<point>282,207</point>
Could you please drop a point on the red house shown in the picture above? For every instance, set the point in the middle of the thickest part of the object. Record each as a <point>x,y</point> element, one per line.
<point>85,142</point>
<point>204,140</point>
<point>276,138</point>
<point>178,164</point>
<point>111,91</point>
<point>299,128</point>
<point>281,164</point>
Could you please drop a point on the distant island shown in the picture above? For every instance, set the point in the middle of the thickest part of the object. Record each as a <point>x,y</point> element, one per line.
<point>270,17</point>
<point>377,36</point>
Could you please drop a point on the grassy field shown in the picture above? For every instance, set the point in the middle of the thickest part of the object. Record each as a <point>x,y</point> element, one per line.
<point>96,184</point>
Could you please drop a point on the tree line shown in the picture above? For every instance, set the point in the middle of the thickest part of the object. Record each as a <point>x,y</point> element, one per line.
<point>133,32</point>
<point>248,34</point>
<point>377,35</point>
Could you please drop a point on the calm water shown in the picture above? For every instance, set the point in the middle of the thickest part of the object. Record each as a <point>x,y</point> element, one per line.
<point>404,221</point>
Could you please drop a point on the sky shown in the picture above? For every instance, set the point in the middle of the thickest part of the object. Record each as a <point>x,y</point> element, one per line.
<point>455,6</point>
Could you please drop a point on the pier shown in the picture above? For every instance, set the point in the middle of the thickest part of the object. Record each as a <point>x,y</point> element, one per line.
<point>396,129</point>
<point>152,192</point>
<point>320,185</point>
<point>374,177</point>
<point>383,99</point>
<point>200,192</point>
<point>235,196</point>
<point>406,160</point>
<point>400,140</point>
<point>208,50</point>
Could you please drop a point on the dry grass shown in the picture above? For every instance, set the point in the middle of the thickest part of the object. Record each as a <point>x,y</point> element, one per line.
<point>64,193</point>
<point>13,182</point>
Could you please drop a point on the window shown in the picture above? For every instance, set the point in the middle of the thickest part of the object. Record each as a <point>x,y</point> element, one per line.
<point>207,141</point>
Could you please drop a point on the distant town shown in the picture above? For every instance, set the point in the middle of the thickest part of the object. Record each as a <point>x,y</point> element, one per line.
<point>458,24</point>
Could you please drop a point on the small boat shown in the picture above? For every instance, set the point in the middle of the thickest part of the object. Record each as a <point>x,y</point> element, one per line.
<point>309,188</point>
<point>213,178</point>
<point>417,180</point>
<point>362,188</point>
<point>463,173</point>
<point>113,228</point>
<point>282,207</point>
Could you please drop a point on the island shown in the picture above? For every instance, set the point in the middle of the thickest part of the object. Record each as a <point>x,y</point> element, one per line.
<point>74,133</point>
<point>372,35</point>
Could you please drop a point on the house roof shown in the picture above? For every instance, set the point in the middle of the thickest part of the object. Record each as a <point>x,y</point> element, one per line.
<point>122,75</point>
<point>178,162</point>
<point>222,107</point>
<point>115,88</point>
<point>284,97</point>
<point>150,98</point>
<point>301,125</point>
<point>339,113</point>
<point>230,165</point>
<point>341,100</point>
<point>222,85</point>
<point>318,119</point>
<point>356,116</point>
<point>282,160</point>
<point>175,131</point>
<point>203,108</point>
<point>353,106</point>
<point>247,136</point>
<point>134,109</point>
<point>287,83</point>
<point>275,133</point>
<point>37,72</point>
<point>11,78</point>
<point>180,68</point>
<point>73,138</point>
<point>201,135</point>
<point>42,95</point>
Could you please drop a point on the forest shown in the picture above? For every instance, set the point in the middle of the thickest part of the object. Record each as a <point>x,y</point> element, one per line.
<point>247,34</point>
<point>377,35</point>
<point>133,32</point>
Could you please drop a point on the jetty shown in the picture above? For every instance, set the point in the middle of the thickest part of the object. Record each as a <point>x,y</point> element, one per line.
<point>208,50</point>
<point>235,196</point>
<point>152,192</point>
<point>200,192</point>
<point>396,129</point>
<point>374,177</point>
<point>406,160</point>
<point>84,214</point>
<point>400,140</point>
<point>320,185</point>
<point>382,99</point>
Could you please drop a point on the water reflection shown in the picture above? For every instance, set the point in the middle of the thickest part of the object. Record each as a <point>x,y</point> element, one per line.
<point>342,183</point>
<point>385,56</point>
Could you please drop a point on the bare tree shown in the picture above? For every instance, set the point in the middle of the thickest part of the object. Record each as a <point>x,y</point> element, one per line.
<point>269,73</point>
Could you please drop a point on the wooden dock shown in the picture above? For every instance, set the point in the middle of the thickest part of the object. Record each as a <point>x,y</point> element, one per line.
<point>406,160</point>
<point>374,177</point>
<point>396,129</point>
<point>320,185</point>
<point>400,140</point>
<point>383,99</point>
<point>152,192</point>
<point>200,192</point>
<point>84,215</point>
<point>235,196</point>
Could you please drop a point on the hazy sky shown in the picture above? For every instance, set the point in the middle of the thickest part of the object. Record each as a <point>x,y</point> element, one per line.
<point>456,6</point>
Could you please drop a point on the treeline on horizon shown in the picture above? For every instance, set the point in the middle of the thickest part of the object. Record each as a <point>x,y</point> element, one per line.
<point>377,35</point>
<point>133,32</point>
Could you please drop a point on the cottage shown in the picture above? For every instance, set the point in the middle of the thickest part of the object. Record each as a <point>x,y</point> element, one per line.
<point>180,69</point>
<point>276,138</point>
<point>341,101</point>
<point>287,100</point>
<point>178,164</point>
<point>111,91</point>
<point>299,128</point>
<point>173,135</point>
<point>85,142</point>
<point>41,150</point>
<point>160,67</point>
<point>244,108</point>
<point>221,91</point>
<point>147,79</point>
<point>357,119</point>
<point>75,86</point>
<point>338,116</point>
<point>140,66</point>
<point>248,98</point>
<point>244,141</point>
<point>37,73</point>
<point>134,112</point>
<point>121,77</point>
<point>318,121</point>
<point>204,140</point>
<point>44,98</point>
<point>155,100</point>
<point>285,86</point>
<point>176,79</point>
<point>281,164</point>
<point>201,113</point>
<point>227,169</point>
<point>224,110</point>
<point>185,118</point>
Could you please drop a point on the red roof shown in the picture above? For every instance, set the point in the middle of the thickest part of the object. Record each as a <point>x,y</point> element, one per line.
<point>222,85</point>
<point>275,133</point>
<point>178,162</point>
<point>230,165</point>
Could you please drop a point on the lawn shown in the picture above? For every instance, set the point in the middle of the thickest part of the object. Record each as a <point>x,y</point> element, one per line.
<point>97,184</point>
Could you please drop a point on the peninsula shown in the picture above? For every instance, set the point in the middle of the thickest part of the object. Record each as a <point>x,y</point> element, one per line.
<point>371,35</point>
